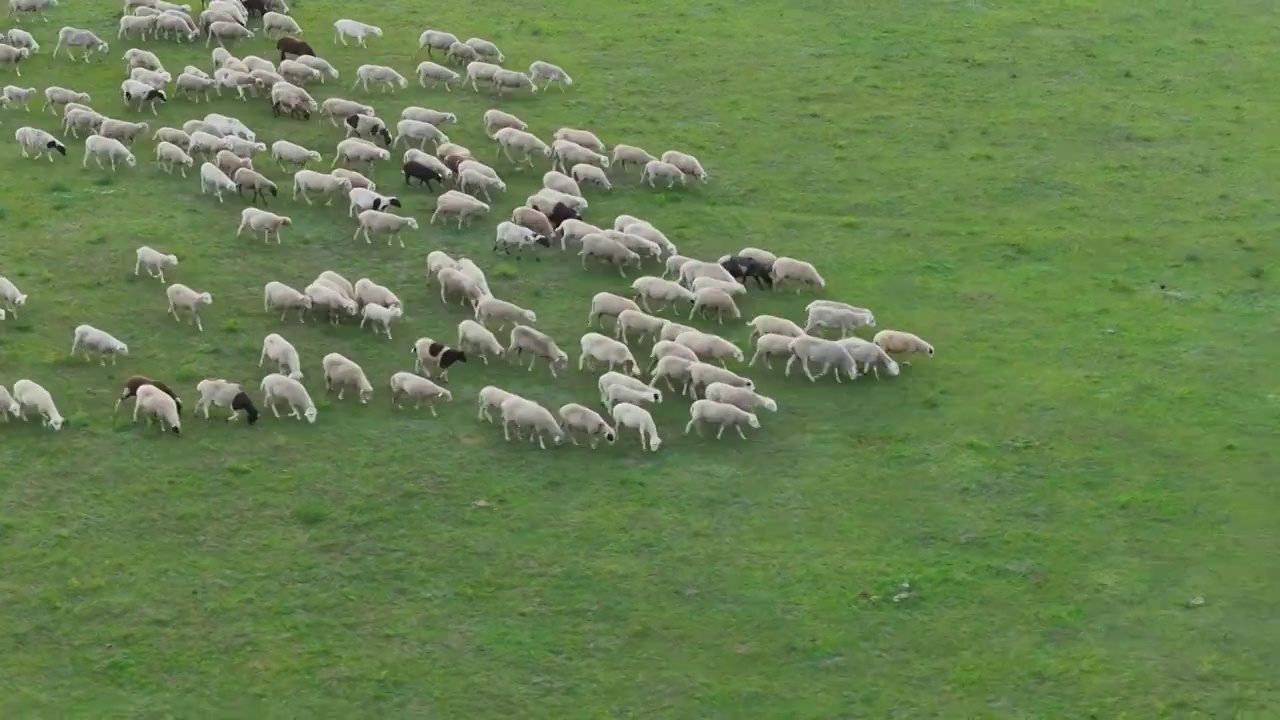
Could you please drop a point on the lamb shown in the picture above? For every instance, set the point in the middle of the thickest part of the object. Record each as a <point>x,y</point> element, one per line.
<point>122,130</point>
<point>528,414</point>
<point>278,296</point>
<point>584,173</point>
<point>90,339</point>
<point>228,162</point>
<point>740,268</point>
<point>71,37</point>
<point>491,398</point>
<point>478,71</point>
<point>537,344</point>
<point>13,298</point>
<point>284,151</point>
<point>454,203</point>
<point>226,31</point>
<point>717,299</point>
<point>634,416</point>
<point>379,315</point>
<point>223,393</point>
<point>712,347</point>
<point>77,118</point>
<point>304,180</point>
<point>702,374</point>
<point>532,219</point>
<point>357,150</point>
<point>379,222</point>
<point>662,291</point>
<point>406,384</point>
<point>193,86</point>
<point>575,417</point>
<point>363,199</point>
<point>293,46</point>
<point>154,261</point>
<point>14,95</point>
<point>605,349</point>
<point>388,77</point>
<point>340,109</point>
<point>341,372</point>
<point>635,320</point>
<point>344,28</point>
<point>490,308</point>
<point>558,181</point>
<point>435,40</point>
<point>259,185</point>
<point>358,181</point>
<point>476,338</point>
<point>332,301</point>
<point>436,74</point>
<point>427,115</point>
<point>276,386</point>
<point>787,269</point>
<point>825,316</point>
<point>609,250</point>
<point>293,71</point>
<point>695,269</point>
<point>504,79</point>
<point>706,283</point>
<point>565,154</point>
<point>261,221</point>
<point>509,138</point>
<point>427,351</point>
<point>495,120</point>
<point>510,235</point>
<point>320,65</point>
<point>901,342</point>
<point>425,174</point>
<point>130,390</point>
<point>418,130</point>
<point>772,344</point>
<point>656,169</point>
<point>55,96</point>
<point>472,179</point>
<point>828,353</point>
<point>607,304</point>
<point>182,297</point>
<point>872,357</point>
<point>540,70</point>
<point>10,55</point>
<point>722,414</point>
<point>21,39</point>
<point>41,142</point>
<point>685,163</point>
<point>97,146</point>
<point>211,178</point>
<point>453,280</point>
<point>29,394</point>
<point>279,22</point>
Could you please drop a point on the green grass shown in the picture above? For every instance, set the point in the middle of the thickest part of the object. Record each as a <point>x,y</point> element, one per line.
<point>1070,200</point>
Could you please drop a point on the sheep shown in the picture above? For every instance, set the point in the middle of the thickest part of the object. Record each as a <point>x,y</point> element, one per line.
<point>97,146</point>
<point>636,417</point>
<point>573,231</point>
<point>472,179</point>
<point>122,130</point>
<point>223,393</point>
<point>504,79</point>
<point>42,143</point>
<point>764,257</point>
<point>466,163</point>
<point>787,269</point>
<point>262,221</point>
<point>136,58</point>
<point>379,315</point>
<point>509,138</point>
<point>71,37</point>
<point>716,298</point>
<point>28,394</point>
<point>478,71</point>
<point>253,62</point>
<point>358,181</point>
<point>491,398</point>
<point>575,417</point>
<point>656,169</point>
<point>316,182</point>
<point>357,150</point>
<point>382,74</point>
<point>453,280</point>
<point>771,324</point>
<point>632,320</point>
<point>510,235</point>
<point>551,73</point>
<point>90,339</point>
<point>741,268</point>
<point>226,31</point>
<point>605,349</point>
<point>532,219</point>
<point>81,119</point>
<point>707,283</point>
<point>339,109</point>
<point>427,115</point>
<point>566,154</point>
<point>546,200</point>
<point>293,71</point>
<point>528,414</point>
<point>207,143</point>
<point>417,130</point>
<point>338,282</point>
<point>423,173</point>
<point>454,203</point>
<point>278,296</point>
<point>21,39</point>
<point>154,261</point>
<point>406,384</point>
<point>130,390</point>
<point>14,95</point>
<point>285,25</point>
<point>259,185</point>
<point>13,298</point>
<point>377,222</point>
<point>234,80</point>
<point>242,147</point>
<point>55,96</point>
<point>287,95</point>
<point>320,65</point>
<point>607,304</point>
<point>695,269</point>
<point>341,372</point>
<point>436,74</point>
<point>652,234</point>
<point>366,291</point>
<point>435,40</point>
<point>901,342</point>
<point>702,374</point>
<point>276,386</point>
<point>234,8</point>
<point>461,53</point>
<point>228,162</point>
<point>429,352</point>
<point>436,261</point>
<point>585,174</point>
<point>36,7</point>
<point>344,28</point>
<point>324,297</point>
<point>672,330</point>
<point>636,244</point>
<point>829,353</point>
<point>293,46</point>
<point>665,292</point>
<point>473,271</point>
<point>666,348</point>
<point>9,406</point>
<point>281,351</point>
<point>630,154</point>
<point>709,346</point>
<point>476,338</point>
<point>536,344</point>
<point>673,264</point>
<point>600,246</point>
<point>558,181</point>
<point>169,155</point>
<point>722,414</point>
<point>771,344</point>
<point>825,316</point>
<point>495,120</point>
<point>209,17</point>
<point>211,178</point>
<point>177,26</point>
<point>490,308</point>
<point>182,297</point>
<point>284,151</point>
<point>872,357</point>
<point>484,48</point>
<point>193,86</point>
<point>155,402</point>
<point>363,199</point>
<point>368,126</point>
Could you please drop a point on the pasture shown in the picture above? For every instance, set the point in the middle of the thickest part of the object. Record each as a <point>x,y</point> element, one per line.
<point>1069,200</point>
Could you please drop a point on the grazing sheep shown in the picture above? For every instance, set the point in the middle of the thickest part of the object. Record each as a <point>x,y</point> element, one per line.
<point>289,96</point>
<point>636,417</point>
<point>378,222</point>
<point>359,151</point>
<point>226,394</point>
<point>528,414</point>
<point>9,406</point>
<point>672,330</point>
<point>435,40</point>
<point>286,152</point>
<point>828,353</point>
<point>344,28</point>
<point>437,261</point>
<point>334,302</point>
<point>476,338</point>
<point>182,297</point>
<point>13,298</point>
<point>827,316</point>
<point>320,65</point>
<point>387,77</point>
<point>379,315</point>
<point>367,291</point>
<point>665,292</point>
<point>607,249</point>
<point>484,48</point>
<point>14,95</point>
<point>606,304</point>
<point>461,53</point>
<point>130,23</point>
<point>276,386</point>
<point>616,393</point>
<point>405,384</point>
<point>510,235</point>
<point>154,261</point>
<point>261,221</point>
<point>901,342</point>
<point>136,57</point>
<point>685,163</point>
<point>155,402</point>
<point>630,154</point>
<point>695,269</point>
<point>97,146</point>
<point>534,220</point>
<point>130,390</point>
<point>716,298</point>
<point>636,244</point>
<point>605,349</point>
<point>211,178</point>
<point>71,37</point>
<point>293,71</point>
<point>253,62</point>
<point>540,70</point>
<point>586,174</point>
<point>19,38</point>
<point>635,320</point>
<point>453,280</point>
<point>279,22</point>
<point>258,185</point>
<point>316,182</point>
<point>583,138</point>
<point>237,80</point>
<point>339,282</point>
<point>362,199</point>
<point>55,96</point>
<point>546,200</point>
<point>281,351</point>
<point>358,181</point>
<point>656,169</point>
<point>579,418</point>
<point>491,398</point>
<point>652,234</point>
<point>722,414</point>
<point>872,357</point>
<point>278,296</point>
<point>28,394</point>
<point>612,378</point>
<point>787,269</point>
<point>473,271</point>
<point>193,86</point>
<point>461,205</point>
<point>90,339</point>
<point>472,179</point>
<point>436,74</point>
<point>418,130</point>
<point>491,308</point>
<point>673,265</point>
<point>772,344</point>
<point>177,26</point>
<point>368,126</point>
<point>207,143</point>
<point>478,71</point>
<point>764,257</point>
<point>702,374</point>
<point>566,154</point>
<point>708,346</point>
<point>341,372</point>
<point>43,143</point>
<point>536,344</point>
<point>573,231</point>
<point>429,352</point>
<point>226,31</point>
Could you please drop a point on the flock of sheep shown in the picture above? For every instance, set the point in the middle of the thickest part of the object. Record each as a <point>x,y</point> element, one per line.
<point>679,356</point>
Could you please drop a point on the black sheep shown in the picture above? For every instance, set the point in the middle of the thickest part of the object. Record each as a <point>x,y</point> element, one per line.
<point>242,402</point>
<point>424,174</point>
<point>293,46</point>
<point>560,213</point>
<point>741,268</point>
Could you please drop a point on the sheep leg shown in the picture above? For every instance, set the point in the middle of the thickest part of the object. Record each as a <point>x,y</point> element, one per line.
<point>721,433</point>
<point>693,424</point>
<point>506,432</point>
<point>195,316</point>
<point>174,312</point>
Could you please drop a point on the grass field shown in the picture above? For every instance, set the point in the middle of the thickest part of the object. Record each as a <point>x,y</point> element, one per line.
<point>1069,199</point>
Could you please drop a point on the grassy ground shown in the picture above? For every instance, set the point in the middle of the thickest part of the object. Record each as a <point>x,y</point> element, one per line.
<point>1068,199</point>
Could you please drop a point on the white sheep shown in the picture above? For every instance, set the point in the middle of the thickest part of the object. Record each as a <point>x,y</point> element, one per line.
<point>637,321</point>
<point>607,304</point>
<point>366,291</point>
<point>605,349</point>
<point>709,346</point>
<point>20,38</point>
<point>97,146</point>
<point>316,182</point>
<point>334,302</point>
<point>320,65</point>
<point>436,40</point>
<point>695,269</point>
<point>484,48</point>
<point>339,109</point>
<point>828,353</point>
<point>379,315</point>
<point>286,152</point>
<point>363,199</point>
<point>259,186</point>
<point>8,406</point>
<point>673,264</point>
<point>580,418</point>
<point>90,339</point>
<point>652,234</point>
<point>637,418</point>
<point>418,130</point>
<point>717,299</point>
<point>686,163</point>
<point>71,37</point>
<point>387,77</point>
<point>616,393</point>
<point>154,261</point>
<point>376,222</point>
<point>436,73</point>
<point>665,293</point>
<point>901,342</point>
<point>131,23</point>
<point>360,151</point>
<point>528,414</point>
<point>288,95</point>
<point>177,26</point>
<point>540,70</point>
<point>261,221</point>
<point>659,170</point>
<point>34,139</point>
<point>407,384</point>
<point>341,372</point>
<point>495,120</point>
<point>476,338</point>
<point>636,244</point>
<point>279,22</point>
<point>228,162</point>
<point>182,297</point>
<point>565,154</point>
<point>233,79</point>
<point>702,374</point>
<point>510,235</point>
<point>193,86</point>
<point>278,296</point>
<point>78,118</point>
<point>672,330</point>
<point>122,130</point>
<point>276,386</point>
<point>345,28</point>
<point>504,79</point>
<point>358,181</point>
<point>29,394</point>
<point>558,181</point>
<point>546,199</point>
<point>437,260</point>
<point>211,178</point>
<point>283,353</point>
<point>491,398</point>
<point>14,95</point>
<point>787,269</point>
<point>774,325</point>
<point>137,57</point>
<point>827,316</point>
<point>532,219</point>
<point>743,398</point>
<point>489,308</point>
<point>297,73</point>
<point>453,280</point>
<point>55,96</point>
<point>431,161</point>
<point>536,344</point>
<point>573,230</point>
<point>12,296</point>
<point>722,414</point>
<point>872,357</point>
<point>525,143</point>
<point>427,115</point>
<point>586,174</point>
<point>667,348</point>
<point>155,402</point>
<point>253,62</point>
<point>630,154</point>
<point>207,143</point>
<point>461,205</point>
<point>473,271</point>
<point>708,283</point>
<point>226,31</point>
<point>338,282</point>
<point>222,393</point>
<point>478,71</point>
<point>770,345</point>
<point>598,245</point>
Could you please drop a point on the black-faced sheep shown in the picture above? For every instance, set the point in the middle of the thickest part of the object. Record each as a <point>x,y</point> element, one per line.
<point>741,268</point>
